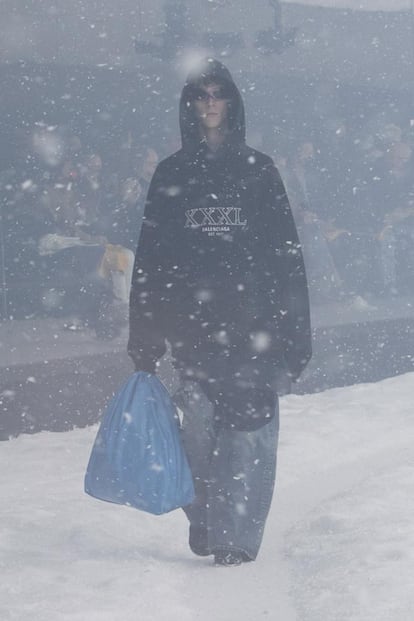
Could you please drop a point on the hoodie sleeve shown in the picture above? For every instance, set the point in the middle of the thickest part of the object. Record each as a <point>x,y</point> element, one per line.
<point>146,342</point>
<point>289,278</point>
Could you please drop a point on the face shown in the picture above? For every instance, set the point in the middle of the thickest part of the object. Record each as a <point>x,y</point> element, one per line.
<point>399,155</point>
<point>306,151</point>
<point>211,106</point>
<point>94,163</point>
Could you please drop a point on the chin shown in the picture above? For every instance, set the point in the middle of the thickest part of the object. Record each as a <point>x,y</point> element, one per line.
<point>212,123</point>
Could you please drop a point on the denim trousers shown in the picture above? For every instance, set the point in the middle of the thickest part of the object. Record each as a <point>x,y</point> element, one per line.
<point>233,471</point>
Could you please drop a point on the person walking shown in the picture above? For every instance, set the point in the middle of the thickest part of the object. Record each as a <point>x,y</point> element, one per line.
<point>219,274</point>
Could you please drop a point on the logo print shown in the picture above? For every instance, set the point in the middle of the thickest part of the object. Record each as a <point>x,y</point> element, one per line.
<point>214,220</point>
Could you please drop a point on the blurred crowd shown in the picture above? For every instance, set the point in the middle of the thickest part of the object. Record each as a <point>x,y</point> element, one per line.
<point>71,218</point>
<point>70,227</point>
<point>353,201</point>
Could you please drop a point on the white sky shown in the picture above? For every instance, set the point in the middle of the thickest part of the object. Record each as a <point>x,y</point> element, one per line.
<point>339,543</point>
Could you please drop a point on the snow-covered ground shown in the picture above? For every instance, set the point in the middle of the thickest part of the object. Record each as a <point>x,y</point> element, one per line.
<point>357,5</point>
<point>339,544</point>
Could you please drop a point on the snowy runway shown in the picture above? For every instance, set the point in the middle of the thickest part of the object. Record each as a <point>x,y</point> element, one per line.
<point>339,544</point>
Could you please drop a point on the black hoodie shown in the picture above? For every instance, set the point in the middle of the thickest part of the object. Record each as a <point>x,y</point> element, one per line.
<point>218,271</point>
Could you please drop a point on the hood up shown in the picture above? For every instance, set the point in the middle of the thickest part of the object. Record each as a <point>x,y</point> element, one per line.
<point>210,70</point>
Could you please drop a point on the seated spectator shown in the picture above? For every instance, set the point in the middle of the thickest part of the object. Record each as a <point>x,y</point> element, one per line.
<point>393,197</point>
<point>118,259</point>
<point>126,219</point>
<point>372,239</point>
<point>301,182</point>
<point>127,213</point>
<point>78,257</point>
<point>71,253</point>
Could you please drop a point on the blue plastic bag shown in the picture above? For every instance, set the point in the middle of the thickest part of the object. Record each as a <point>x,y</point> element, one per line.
<point>138,459</point>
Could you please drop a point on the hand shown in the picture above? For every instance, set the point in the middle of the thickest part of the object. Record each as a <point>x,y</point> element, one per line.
<point>332,232</point>
<point>282,382</point>
<point>309,217</point>
<point>149,369</point>
<point>146,365</point>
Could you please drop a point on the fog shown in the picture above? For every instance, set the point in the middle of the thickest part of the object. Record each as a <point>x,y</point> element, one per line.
<point>89,106</point>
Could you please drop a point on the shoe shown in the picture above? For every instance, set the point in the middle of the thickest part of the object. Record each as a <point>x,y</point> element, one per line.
<point>228,559</point>
<point>198,540</point>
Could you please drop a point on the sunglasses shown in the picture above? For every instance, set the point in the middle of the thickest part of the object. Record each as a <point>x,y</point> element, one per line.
<point>221,93</point>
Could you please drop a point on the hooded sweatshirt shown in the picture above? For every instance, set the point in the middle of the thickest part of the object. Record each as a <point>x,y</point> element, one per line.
<point>219,272</point>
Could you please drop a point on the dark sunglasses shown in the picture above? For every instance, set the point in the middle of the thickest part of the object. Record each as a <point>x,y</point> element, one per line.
<point>221,93</point>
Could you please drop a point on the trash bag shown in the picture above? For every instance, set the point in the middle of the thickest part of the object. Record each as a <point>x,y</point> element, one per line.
<point>137,458</point>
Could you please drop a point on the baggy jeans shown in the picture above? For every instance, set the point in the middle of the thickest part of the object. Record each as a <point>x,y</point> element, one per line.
<point>234,474</point>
